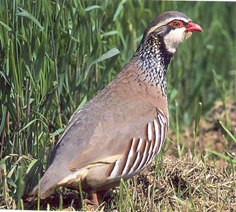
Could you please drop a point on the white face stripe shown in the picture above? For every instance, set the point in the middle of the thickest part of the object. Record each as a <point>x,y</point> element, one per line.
<point>165,22</point>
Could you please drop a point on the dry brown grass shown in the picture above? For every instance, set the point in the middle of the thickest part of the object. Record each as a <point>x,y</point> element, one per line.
<point>200,187</point>
<point>172,183</point>
<point>179,185</point>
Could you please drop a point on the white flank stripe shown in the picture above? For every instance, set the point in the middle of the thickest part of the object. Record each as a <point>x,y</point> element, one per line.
<point>116,168</point>
<point>149,131</point>
<point>135,163</point>
<point>143,157</point>
<point>130,155</point>
<point>149,158</point>
<point>162,134</point>
<point>139,144</point>
<point>157,133</point>
<point>161,112</point>
<point>162,116</point>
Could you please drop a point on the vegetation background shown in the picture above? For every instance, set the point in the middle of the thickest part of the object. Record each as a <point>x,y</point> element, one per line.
<point>56,55</point>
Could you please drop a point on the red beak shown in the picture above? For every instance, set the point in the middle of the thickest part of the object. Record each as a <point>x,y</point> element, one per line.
<point>193,27</point>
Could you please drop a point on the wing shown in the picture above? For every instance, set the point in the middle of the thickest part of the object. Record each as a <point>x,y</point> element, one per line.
<point>113,132</point>
<point>141,151</point>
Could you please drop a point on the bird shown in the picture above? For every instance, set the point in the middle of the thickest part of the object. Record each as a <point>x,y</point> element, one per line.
<point>120,131</point>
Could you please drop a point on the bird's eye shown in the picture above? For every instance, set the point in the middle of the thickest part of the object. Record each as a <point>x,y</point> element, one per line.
<point>176,24</point>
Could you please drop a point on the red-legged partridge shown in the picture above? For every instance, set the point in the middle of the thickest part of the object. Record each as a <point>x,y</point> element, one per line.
<point>121,130</point>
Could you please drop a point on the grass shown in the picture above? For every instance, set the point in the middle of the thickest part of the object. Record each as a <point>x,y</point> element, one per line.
<point>56,55</point>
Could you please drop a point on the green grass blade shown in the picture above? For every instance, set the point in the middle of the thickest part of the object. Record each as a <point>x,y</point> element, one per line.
<point>91,8</point>
<point>81,194</point>
<point>127,193</point>
<point>26,14</point>
<point>111,53</point>
<point>227,158</point>
<point>229,133</point>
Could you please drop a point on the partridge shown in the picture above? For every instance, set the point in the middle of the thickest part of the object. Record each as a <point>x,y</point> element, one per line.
<point>121,130</point>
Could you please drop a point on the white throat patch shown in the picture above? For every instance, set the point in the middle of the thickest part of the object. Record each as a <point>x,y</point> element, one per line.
<point>174,38</point>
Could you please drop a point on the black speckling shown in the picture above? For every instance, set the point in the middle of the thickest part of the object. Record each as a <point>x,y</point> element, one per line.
<point>153,59</point>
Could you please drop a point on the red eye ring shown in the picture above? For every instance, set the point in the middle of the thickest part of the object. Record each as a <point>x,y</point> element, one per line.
<point>176,24</point>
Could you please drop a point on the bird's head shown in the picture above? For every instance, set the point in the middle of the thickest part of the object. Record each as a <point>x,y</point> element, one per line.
<point>172,27</point>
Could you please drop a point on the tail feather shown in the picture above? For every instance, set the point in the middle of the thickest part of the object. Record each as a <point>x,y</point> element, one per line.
<point>33,195</point>
<point>48,182</point>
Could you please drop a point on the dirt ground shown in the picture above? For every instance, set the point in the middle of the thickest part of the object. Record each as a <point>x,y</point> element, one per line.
<point>211,134</point>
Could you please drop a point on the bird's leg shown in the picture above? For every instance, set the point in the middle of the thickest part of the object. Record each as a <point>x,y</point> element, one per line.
<point>97,197</point>
<point>94,196</point>
<point>101,195</point>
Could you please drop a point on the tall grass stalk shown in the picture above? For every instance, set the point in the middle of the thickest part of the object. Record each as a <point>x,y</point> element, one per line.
<point>180,149</point>
<point>197,121</point>
<point>56,55</point>
<point>81,195</point>
<point>127,195</point>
